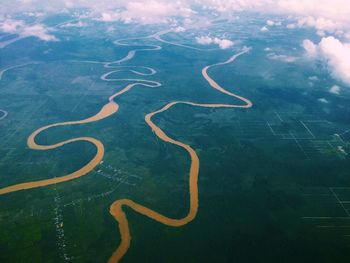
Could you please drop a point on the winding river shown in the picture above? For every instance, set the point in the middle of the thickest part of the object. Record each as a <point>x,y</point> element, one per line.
<point>107,110</point>
<point>116,208</point>
<point>110,108</point>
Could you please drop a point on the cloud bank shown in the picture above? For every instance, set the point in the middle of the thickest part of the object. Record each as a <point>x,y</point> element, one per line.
<point>334,53</point>
<point>148,12</point>
<point>324,15</point>
<point>330,19</point>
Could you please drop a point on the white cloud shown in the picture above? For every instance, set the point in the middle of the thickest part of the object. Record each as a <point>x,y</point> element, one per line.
<point>179,29</point>
<point>222,43</point>
<point>11,26</point>
<point>226,6</point>
<point>109,16</point>
<point>283,58</point>
<point>39,31</point>
<point>77,24</point>
<point>325,15</point>
<point>335,9</point>
<point>329,16</point>
<point>313,78</point>
<point>335,90</point>
<point>335,54</point>
<point>264,29</point>
<point>347,36</point>
<point>204,40</point>
<point>325,8</point>
<point>270,23</point>
<point>291,26</point>
<point>20,28</point>
<point>279,23</point>
<point>34,14</point>
<point>321,33</point>
<point>323,100</point>
<point>310,47</point>
<point>321,24</point>
<point>148,12</point>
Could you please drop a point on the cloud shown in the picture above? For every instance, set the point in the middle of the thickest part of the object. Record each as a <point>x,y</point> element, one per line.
<point>148,12</point>
<point>109,16</point>
<point>222,43</point>
<point>310,48</point>
<point>21,29</point>
<point>77,24</point>
<point>325,8</point>
<point>291,26</point>
<point>335,9</point>
<point>323,100</point>
<point>270,23</point>
<point>179,29</point>
<point>226,6</point>
<point>39,31</point>
<point>204,40</point>
<point>333,53</point>
<point>321,24</point>
<point>325,15</point>
<point>11,26</point>
<point>313,78</point>
<point>283,58</point>
<point>264,29</point>
<point>335,90</point>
